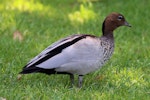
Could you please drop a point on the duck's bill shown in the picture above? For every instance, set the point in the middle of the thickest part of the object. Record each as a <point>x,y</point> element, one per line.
<point>127,24</point>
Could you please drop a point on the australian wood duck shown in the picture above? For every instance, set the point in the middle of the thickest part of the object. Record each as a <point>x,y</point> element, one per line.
<point>78,54</point>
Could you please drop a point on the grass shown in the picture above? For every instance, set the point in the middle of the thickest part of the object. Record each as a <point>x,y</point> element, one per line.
<point>125,77</point>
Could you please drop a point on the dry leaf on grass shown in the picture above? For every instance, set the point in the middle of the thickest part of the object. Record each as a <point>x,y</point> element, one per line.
<point>19,77</point>
<point>1,98</point>
<point>17,36</point>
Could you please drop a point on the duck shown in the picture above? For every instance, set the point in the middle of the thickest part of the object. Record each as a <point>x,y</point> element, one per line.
<point>78,54</point>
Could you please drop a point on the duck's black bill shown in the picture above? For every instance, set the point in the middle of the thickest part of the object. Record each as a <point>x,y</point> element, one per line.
<point>127,24</point>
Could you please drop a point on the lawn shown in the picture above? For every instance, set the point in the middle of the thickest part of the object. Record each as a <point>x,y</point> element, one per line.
<point>29,26</point>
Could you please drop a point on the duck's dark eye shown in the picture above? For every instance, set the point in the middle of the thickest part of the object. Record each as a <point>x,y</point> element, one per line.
<point>120,18</point>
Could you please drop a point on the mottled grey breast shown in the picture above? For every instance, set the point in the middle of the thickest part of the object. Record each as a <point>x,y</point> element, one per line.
<point>107,48</point>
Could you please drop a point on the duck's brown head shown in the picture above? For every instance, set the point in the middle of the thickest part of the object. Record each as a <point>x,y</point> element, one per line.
<point>113,21</point>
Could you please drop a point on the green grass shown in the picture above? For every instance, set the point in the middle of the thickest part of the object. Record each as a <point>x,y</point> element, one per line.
<point>41,22</point>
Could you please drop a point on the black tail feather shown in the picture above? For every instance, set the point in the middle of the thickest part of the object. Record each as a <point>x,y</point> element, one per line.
<point>29,70</point>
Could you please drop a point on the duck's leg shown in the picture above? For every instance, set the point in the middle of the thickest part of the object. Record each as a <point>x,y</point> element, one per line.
<point>80,80</point>
<point>72,79</point>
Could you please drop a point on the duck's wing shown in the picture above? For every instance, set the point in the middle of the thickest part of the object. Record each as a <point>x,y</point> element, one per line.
<point>54,50</point>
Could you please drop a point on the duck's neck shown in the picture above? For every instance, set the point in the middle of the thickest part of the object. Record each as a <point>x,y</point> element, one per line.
<point>107,31</point>
<point>108,35</point>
